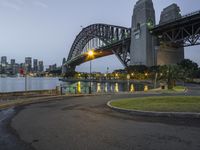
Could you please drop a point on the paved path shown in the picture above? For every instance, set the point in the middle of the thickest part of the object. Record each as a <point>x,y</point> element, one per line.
<point>85,123</point>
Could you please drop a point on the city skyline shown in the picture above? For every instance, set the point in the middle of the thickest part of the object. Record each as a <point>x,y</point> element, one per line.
<point>12,68</point>
<point>40,30</point>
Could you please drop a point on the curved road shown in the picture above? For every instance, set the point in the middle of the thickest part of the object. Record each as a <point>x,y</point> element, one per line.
<point>85,123</point>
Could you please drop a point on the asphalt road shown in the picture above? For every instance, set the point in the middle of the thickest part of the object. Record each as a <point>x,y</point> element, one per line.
<point>85,123</point>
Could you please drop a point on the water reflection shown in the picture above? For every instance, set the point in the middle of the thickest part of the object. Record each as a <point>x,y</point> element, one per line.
<point>83,87</point>
<point>98,87</point>
<point>116,87</point>
<point>146,88</point>
<point>132,88</point>
<point>106,87</point>
<point>79,87</point>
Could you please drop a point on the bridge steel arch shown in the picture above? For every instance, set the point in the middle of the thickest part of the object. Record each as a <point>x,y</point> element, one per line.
<point>108,34</point>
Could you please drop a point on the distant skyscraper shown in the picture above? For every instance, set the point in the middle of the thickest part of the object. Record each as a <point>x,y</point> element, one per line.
<point>4,60</point>
<point>13,67</point>
<point>28,64</point>
<point>52,67</point>
<point>35,65</point>
<point>41,66</point>
<point>12,62</point>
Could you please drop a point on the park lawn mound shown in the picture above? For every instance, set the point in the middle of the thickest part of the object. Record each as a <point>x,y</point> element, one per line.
<point>160,104</point>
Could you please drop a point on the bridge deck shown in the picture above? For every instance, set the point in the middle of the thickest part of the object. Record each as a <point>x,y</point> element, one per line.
<point>191,18</point>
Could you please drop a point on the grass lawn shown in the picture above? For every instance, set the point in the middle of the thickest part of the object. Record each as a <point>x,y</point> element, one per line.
<point>179,88</point>
<point>161,104</point>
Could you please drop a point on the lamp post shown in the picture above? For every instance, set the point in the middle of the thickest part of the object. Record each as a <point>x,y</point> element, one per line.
<point>90,54</point>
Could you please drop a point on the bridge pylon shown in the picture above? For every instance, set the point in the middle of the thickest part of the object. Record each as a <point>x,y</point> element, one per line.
<point>142,50</point>
<point>169,53</point>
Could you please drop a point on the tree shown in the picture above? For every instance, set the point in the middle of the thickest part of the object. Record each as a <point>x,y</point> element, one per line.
<point>70,74</point>
<point>189,67</point>
<point>171,74</point>
<point>137,68</point>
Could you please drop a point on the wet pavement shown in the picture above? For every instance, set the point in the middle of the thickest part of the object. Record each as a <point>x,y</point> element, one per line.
<point>9,139</point>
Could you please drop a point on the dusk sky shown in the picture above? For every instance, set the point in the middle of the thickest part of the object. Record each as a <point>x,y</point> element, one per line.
<point>46,29</point>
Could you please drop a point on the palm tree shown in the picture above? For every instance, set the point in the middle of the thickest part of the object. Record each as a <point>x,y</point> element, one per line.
<point>171,74</point>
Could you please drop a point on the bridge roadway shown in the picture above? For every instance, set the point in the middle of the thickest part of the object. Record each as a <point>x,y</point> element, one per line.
<point>85,123</point>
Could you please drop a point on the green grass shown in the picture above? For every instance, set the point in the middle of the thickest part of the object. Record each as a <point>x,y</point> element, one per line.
<point>161,104</point>
<point>179,88</point>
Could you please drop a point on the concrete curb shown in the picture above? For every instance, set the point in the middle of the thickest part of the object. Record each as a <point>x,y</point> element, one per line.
<point>155,114</point>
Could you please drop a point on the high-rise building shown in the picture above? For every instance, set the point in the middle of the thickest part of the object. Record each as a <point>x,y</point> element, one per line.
<point>13,67</point>
<point>12,62</point>
<point>28,64</point>
<point>4,60</point>
<point>52,67</point>
<point>142,50</point>
<point>35,65</point>
<point>4,65</point>
<point>41,66</point>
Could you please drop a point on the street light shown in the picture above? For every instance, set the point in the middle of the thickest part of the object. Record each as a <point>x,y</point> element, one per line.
<point>90,55</point>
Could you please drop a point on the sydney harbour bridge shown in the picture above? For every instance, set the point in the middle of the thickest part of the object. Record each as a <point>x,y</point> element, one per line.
<point>145,43</point>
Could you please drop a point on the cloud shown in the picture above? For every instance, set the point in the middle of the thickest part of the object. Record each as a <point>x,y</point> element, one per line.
<point>40,4</point>
<point>11,5</point>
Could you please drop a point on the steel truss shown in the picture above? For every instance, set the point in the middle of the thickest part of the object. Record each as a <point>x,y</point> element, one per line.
<point>100,36</point>
<point>181,32</point>
<point>183,36</point>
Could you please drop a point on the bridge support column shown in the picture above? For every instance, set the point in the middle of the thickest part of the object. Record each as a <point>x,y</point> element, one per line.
<point>168,54</point>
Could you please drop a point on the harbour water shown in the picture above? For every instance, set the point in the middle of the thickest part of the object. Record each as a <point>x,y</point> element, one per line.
<point>105,87</point>
<point>18,84</point>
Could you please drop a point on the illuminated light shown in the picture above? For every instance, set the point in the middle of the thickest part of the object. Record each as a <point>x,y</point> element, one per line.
<point>161,74</point>
<point>79,87</point>
<point>116,87</point>
<point>146,74</point>
<point>90,53</point>
<point>98,87</point>
<point>149,24</point>
<point>132,74</point>
<point>146,88</point>
<point>132,89</point>
<point>106,87</point>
